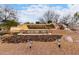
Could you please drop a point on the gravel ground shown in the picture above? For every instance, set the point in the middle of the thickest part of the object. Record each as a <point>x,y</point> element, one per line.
<point>39,48</point>
<point>42,48</point>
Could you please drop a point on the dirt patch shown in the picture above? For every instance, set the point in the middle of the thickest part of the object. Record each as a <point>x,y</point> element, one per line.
<point>42,48</point>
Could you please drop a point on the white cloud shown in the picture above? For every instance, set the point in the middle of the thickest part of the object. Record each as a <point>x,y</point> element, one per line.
<point>33,12</point>
<point>72,8</point>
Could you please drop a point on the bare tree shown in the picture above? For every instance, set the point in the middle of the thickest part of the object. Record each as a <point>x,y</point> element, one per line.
<point>66,20</point>
<point>41,20</point>
<point>7,14</point>
<point>1,14</point>
<point>8,17</point>
<point>76,18</point>
<point>70,21</point>
<point>50,16</point>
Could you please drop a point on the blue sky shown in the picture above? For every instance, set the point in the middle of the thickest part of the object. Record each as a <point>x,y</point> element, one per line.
<point>20,6</point>
<point>31,12</point>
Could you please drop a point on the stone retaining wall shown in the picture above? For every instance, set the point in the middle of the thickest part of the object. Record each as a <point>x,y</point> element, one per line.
<point>24,38</point>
